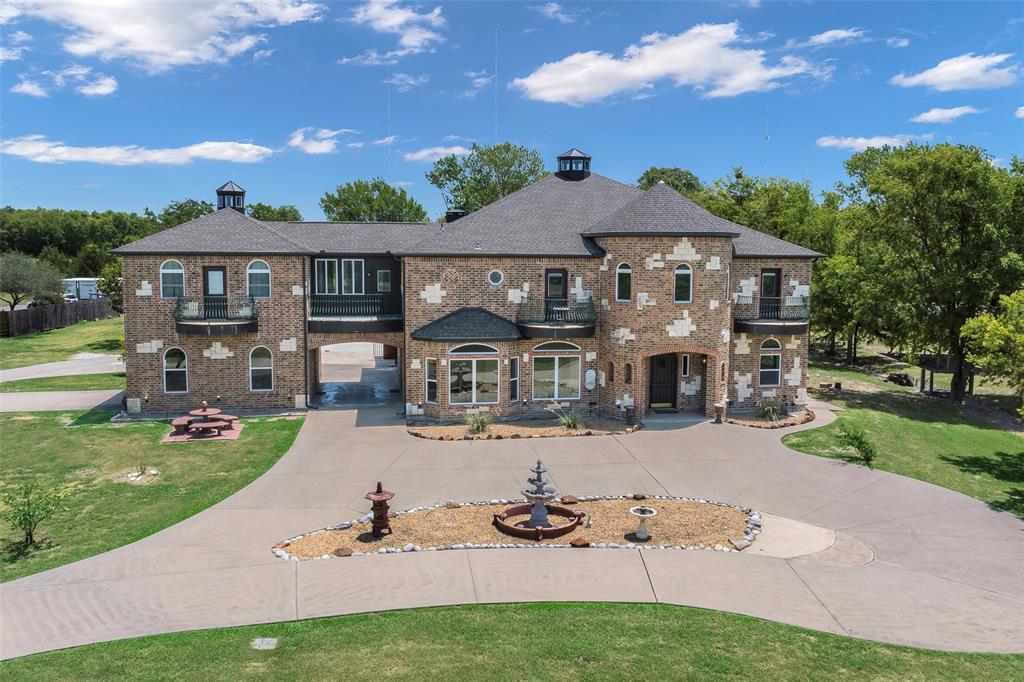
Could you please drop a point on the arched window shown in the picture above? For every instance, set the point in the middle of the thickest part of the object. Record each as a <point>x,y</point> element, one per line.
<point>770,371</point>
<point>175,371</point>
<point>610,375</point>
<point>261,369</point>
<point>627,374</point>
<point>623,282</point>
<point>473,349</point>
<point>684,283</point>
<point>556,345</point>
<point>258,279</point>
<point>172,279</point>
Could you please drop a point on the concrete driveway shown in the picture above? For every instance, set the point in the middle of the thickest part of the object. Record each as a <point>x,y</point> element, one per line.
<point>83,363</point>
<point>910,563</point>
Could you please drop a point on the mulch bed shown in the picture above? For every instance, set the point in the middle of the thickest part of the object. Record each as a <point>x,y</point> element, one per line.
<point>527,428</point>
<point>226,434</point>
<point>758,423</point>
<point>680,523</point>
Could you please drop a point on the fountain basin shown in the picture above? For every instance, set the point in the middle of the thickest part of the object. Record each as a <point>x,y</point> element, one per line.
<point>503,523</point>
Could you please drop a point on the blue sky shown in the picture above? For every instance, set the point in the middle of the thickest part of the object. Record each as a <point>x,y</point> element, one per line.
<point>126,105</point>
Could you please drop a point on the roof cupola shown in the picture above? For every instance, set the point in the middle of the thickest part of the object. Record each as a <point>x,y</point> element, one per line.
<point>230,195</point>
<point>573,165</point>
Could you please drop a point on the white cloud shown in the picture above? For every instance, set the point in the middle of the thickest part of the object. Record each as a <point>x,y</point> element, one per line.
<point>478,80</point>
<point>261,55</point>
<point>753,4</point>
<point>897,42</point>
<point>415,31</point>
<point>161,34</point>
<point>966,72</point>
<point>17,40</point>
<point>32,88</point>
<point>389,140</point>
<point>1019,113</point>
<point>316,140</point>
<point>42,150</point>
<point>103,85</point>
<point>458,138</point>
<point>862,143</point>
<point>703,57</point>
<point>940,115</point>
<point>552,10</point>
<point>355,145</point>
<point>404,82</point>
<point>10,54</point>
<point>832,36</point>
<point>431,154</point>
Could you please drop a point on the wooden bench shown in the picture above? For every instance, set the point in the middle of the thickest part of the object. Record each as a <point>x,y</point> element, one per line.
<point>228,419</point>
<point>207,426</point>
<point>181,425</point>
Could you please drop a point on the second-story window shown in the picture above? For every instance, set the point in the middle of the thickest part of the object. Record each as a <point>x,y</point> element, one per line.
<point>326,276</point>
<point>684,284</point>
<point>172,280</point>
<point>258,279</point>
<point>383,281</point>
<point>623,282</point>
<point>352,276</point>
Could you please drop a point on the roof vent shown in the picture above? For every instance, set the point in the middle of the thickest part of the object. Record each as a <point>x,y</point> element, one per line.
<point>573,165</point>
<point>454,214</point>
<point>230,195</point>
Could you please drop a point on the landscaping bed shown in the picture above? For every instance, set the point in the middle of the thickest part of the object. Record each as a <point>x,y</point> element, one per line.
<point>526,428</point>
<point>756,422</point>
<point>681,523</point>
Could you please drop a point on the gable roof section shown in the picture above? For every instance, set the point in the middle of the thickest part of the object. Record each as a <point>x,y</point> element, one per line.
<point>230,186</point>
<point>546,218</point>
<point>754,244</point>
<point>662,211</point>
<point>357,237</point>
<point>225,231</point>
<point>468,324</point>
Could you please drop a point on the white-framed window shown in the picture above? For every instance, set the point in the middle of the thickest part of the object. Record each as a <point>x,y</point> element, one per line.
<point>555,345</point>
<point>430,371</point>
<point>258,279</point>
<point>513,379</point>
<point>556,377</point>
<point>473,349</point>
<point>472,381</point>
<point>261,369</point>
<point>383,281</point>
<point>352,277</point>
<point>175,371</point>
<point>684,368</point>
<point>172,279</point>
<point>623,282</point>
<point>770,371</point>
<point>684,284</point>
<point>326,276</point>
<point>495,277</point>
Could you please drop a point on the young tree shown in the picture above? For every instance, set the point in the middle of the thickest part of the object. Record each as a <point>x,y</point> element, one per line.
<point>679,179</point>
<point>485,175</point>
<point>268,212</point>
<point>90,260</point>
<point>371,201</point>
<point>29,505</point>
<point>23,277</point>
<point>52,255</point>
<point>178,212</point>
<point>996,343</point>
<point>109,284</point>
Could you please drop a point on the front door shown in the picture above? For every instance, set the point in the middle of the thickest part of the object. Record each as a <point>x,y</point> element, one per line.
<point>663,380</point>
<point>215,292</point>
<point>771,294</point>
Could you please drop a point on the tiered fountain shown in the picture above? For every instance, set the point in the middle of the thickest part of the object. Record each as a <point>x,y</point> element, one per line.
<point>539,506</point>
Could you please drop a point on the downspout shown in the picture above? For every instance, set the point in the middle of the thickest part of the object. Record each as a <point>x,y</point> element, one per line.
<point>305,330</point>
<point>403,353</point>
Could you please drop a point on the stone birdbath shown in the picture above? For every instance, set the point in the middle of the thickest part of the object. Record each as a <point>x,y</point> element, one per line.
<point>643,513</point>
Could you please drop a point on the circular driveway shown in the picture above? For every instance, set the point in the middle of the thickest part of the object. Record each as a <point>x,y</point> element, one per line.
<point>911,563</point>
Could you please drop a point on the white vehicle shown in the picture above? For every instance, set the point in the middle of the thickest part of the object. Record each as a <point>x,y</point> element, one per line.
<point>80,288</point>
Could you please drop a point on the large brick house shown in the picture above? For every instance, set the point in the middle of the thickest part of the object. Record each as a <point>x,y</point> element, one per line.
<point>577,290</point>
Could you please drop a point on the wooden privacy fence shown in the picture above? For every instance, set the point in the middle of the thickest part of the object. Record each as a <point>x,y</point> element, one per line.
<point>46,317</point>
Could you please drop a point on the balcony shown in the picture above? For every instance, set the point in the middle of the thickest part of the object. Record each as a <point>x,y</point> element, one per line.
<point>556,318</point>
<point>355,313</point>
<point>771,314</point>
<point>216,315</point>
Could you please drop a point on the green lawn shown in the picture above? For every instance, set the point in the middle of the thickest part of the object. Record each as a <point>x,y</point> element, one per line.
<point>102,336</point>
<point>925,438</point>
<point>74,382</point>
<point>84,451</point>
<point>564,641</point>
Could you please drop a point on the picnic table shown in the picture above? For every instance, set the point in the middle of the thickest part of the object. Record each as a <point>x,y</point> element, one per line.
<point>205,427</point>
<point>205,412</point>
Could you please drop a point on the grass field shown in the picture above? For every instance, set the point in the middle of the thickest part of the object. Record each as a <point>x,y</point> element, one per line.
<point>565,641</point>
<point>84,451</point>
<point>102,336</point>
<point>925,438</point>
<point>73,382</point>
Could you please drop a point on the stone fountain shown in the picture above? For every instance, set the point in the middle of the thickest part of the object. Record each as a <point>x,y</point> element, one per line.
<point>539,496</point>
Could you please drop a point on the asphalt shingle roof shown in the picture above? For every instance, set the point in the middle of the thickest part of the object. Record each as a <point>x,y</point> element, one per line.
<point>662,211</point>
<point>575,154</point>
<point>357,237</point>
<point>224,231</point>
<point>468,324</point>
<point>230,186</point>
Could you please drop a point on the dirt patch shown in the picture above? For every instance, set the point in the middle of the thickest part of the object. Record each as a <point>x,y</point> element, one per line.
<point>527,428</point>
<point>759,423</point>
<point>135,477</point>
<point>679,522</point>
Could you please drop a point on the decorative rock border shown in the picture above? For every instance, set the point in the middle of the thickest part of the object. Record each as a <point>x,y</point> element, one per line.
<point>497,436</point>
<point>791,420</point>
<point>750,533</point>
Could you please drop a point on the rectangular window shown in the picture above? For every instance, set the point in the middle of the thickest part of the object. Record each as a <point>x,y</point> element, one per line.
<point>513,379</point>
<point>685,368</point>
<point>172,284</point>
<point>472,381</point>
<point>352,276</point>
<point>431,372</point>
<point>771,370</point>
<point>326,276</point>
<point>556,378</point>
<point>383,281</point>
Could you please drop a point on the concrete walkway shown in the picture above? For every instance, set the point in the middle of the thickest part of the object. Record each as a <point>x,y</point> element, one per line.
<point>911,563</point>
<point>42,401</point>
<point>84,363</point>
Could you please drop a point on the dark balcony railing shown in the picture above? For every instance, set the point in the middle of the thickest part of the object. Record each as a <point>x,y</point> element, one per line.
<point>772,308</point>
<point>368,305</point>
<point>559,311</point>
<point>215,308</point>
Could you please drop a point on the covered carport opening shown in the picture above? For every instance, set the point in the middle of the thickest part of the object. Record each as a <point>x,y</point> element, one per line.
<point>357,373</point>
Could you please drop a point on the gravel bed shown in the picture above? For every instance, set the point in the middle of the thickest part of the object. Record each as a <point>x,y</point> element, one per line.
<point>526,428</point>
<point>758,423</point>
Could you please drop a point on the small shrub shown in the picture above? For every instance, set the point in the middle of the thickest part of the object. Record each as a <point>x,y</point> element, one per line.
<point>572,420</point>
<point>479,422</point>
<point>29,505</point>
<point>771,409</point>
<point>859,441</point>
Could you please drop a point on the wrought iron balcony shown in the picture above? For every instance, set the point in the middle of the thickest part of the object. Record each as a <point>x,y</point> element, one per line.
<point>768,314</point>
<point>355,313</point>
<point>216,315</point>
<point>556,318</point>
